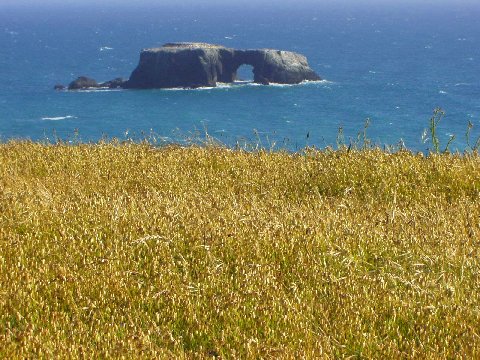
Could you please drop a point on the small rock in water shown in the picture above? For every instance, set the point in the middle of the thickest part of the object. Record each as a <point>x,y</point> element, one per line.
<point>82,82</point>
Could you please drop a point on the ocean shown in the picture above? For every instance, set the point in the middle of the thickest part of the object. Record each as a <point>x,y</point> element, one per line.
<point>392,64</point>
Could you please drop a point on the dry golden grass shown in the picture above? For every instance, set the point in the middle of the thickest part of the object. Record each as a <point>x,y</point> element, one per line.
<point>123,250</point>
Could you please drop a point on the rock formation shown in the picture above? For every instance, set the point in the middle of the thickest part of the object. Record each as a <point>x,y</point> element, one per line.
<point>192,65</point>
<point>83,83</point>
<point>196,64</point>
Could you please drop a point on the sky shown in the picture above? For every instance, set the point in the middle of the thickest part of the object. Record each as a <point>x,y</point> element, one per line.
<point>227,2</point>
<point>32,6</point>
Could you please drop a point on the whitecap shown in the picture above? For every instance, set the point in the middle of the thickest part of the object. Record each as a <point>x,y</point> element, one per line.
<point>104,48</point>
<point>303,83</point>
<point>281,85</point>
<point>105,89</point>
<point>463,84</point>
<point>228,37</point>
<point>57,118</point>
<point>235,84</point>
<point>442,92</point>
<point>202,88</point>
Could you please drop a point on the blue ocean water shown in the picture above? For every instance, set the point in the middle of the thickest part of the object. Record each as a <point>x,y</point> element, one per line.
<point>392,64</point>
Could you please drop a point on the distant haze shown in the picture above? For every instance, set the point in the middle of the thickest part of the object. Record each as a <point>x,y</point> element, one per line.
<point>37,3</point>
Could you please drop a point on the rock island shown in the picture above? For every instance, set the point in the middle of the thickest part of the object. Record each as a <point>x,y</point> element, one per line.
<point>193,65</point>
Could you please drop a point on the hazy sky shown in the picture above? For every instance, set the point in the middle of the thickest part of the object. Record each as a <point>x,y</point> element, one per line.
<point>271,3</point>
<point>40,5</point>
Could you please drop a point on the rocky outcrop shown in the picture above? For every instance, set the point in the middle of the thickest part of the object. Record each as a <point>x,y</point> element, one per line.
<point>113,84</point>
<point>192,65</point>
<point>181,65</point>
<point>197,64</point>
<point>83,83</point>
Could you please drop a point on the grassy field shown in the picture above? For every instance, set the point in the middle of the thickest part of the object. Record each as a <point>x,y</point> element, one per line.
<point>124,250</point>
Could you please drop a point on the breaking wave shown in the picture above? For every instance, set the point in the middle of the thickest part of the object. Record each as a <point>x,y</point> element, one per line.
<point>58,118</point>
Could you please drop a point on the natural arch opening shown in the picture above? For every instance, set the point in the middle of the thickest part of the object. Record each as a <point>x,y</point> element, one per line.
<point>244,73</point>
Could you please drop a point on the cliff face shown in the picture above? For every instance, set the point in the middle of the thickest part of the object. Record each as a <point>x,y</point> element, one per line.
<point>180,66</point>
<point>192,65</point>
<point>276,66</point>
<point>196,64</point>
